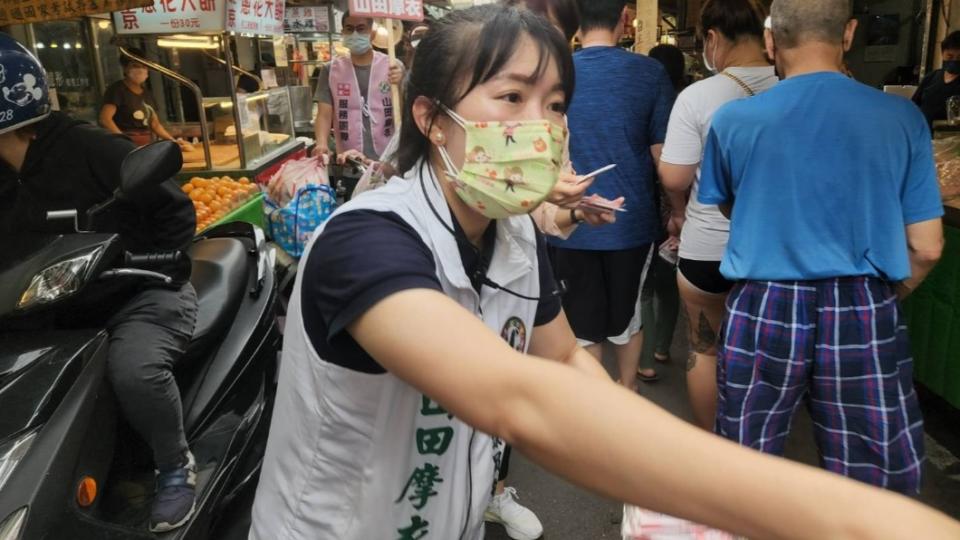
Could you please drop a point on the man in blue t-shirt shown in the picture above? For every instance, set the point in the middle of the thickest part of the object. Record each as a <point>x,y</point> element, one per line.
<point>835,214</point>
<point>618,115</point>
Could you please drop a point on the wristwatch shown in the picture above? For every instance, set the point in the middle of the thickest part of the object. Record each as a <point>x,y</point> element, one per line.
<point>573,217</point>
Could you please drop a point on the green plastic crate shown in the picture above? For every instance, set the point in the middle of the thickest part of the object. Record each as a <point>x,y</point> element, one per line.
<point>251,212</point>
<point>933,315</point>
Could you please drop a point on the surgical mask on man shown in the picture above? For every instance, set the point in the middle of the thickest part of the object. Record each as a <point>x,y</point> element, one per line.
<point>357,43</point>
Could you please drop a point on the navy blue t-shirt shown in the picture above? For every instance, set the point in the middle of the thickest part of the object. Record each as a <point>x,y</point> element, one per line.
<point>365,256</point>
<point>620,109</point>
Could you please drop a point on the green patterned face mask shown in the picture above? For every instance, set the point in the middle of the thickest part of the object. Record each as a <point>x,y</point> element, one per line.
<point>509,168</point>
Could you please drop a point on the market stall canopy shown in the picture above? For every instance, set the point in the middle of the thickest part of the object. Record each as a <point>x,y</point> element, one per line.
<point>28,11</point>
<point>263,17</point>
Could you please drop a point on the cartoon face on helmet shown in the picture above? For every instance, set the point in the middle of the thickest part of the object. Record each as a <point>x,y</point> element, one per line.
<point>23,93</point>
<point>23,86</point>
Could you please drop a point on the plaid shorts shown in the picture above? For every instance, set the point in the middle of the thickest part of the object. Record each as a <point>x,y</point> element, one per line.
<point>840,346</point>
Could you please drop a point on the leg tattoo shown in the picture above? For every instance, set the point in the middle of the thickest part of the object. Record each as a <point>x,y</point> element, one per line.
<point>705,337</point>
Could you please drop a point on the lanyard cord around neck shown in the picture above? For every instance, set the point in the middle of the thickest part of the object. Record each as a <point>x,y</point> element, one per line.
<point>480,274</point>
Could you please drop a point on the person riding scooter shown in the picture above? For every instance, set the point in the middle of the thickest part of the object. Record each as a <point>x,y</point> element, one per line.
<point>49,161</point>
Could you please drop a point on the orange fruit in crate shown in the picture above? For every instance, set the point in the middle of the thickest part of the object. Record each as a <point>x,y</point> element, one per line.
<point>186,188</point>
<point>215,205</point>
<point>244,180</point>
<point>196,194</point>
<point>205,198</point>
<point>224,191</point>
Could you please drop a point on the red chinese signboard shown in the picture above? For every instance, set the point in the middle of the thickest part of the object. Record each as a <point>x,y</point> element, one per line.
<point>408,10</point>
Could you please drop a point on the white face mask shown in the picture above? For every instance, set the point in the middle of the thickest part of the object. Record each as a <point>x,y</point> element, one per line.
<point>711,67</point>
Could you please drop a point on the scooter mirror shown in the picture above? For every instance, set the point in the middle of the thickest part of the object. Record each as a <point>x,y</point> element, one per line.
<point>150,165</point>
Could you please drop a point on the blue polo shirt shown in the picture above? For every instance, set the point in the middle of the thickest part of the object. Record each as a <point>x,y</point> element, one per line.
<point>619,109</point>
<point>824,174</point>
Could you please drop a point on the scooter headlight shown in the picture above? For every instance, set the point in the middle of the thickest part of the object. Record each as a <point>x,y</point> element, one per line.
<point>12,452</point>
<point>10,527</point>
<point>57,280</point>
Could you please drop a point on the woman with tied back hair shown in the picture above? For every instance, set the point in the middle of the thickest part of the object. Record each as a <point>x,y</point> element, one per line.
<point>401,381</point>
<point>732,33</point>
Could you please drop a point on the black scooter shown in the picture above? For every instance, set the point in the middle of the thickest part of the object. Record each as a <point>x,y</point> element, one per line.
<point>70,467</point>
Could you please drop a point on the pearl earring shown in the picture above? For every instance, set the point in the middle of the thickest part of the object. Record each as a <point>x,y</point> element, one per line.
<point>439,138</point>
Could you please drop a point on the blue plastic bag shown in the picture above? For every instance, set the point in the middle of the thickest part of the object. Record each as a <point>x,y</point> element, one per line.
<point>292,225</point>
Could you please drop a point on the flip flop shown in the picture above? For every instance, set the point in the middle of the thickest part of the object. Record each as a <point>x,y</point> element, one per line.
<point>648,378</point>
<point>664,360</point>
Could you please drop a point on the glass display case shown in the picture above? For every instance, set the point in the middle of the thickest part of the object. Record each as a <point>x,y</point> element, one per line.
<point>266,124</point>
<point>266,131</point>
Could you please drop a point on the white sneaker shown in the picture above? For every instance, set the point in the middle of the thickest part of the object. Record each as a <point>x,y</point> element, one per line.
<point>520,522</point>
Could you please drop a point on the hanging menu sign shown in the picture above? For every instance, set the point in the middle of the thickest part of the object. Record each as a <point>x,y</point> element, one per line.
<point>172,16</point>
<point>27,11</point>
<point>196,16</point>
<point>255,16</point>
<point>306,19</point>
<point>408,10</point>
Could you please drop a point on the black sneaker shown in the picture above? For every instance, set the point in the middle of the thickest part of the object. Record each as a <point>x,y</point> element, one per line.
<point>175,501</point>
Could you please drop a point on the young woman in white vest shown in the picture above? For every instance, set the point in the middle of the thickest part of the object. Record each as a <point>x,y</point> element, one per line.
<point>424,332</point>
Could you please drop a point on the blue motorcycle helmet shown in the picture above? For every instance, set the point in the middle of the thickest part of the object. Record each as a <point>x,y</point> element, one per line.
<point>24,98</point>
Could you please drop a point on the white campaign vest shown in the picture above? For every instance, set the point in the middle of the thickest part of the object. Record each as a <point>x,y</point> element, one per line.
<point>355,456</point>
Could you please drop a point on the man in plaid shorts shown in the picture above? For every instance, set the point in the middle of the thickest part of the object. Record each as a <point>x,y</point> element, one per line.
<point>835,213</point>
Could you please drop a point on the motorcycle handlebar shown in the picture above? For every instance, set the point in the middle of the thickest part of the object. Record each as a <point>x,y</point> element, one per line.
<point>148,261</point>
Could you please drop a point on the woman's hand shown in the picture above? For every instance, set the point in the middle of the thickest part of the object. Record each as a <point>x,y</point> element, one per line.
<point>184,145</point>
<point>597,216</point>
<point>569,190</point>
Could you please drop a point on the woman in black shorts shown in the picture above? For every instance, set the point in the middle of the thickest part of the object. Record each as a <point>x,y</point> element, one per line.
<point>733,47</point>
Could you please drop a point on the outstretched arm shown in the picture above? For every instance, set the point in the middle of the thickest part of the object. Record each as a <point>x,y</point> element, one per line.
<point>549,412</point>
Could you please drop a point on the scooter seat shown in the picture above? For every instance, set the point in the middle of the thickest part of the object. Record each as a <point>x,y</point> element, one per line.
<point>219,275</point>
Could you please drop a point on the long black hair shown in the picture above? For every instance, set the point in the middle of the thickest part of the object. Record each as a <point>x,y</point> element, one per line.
<point>468,48</point>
